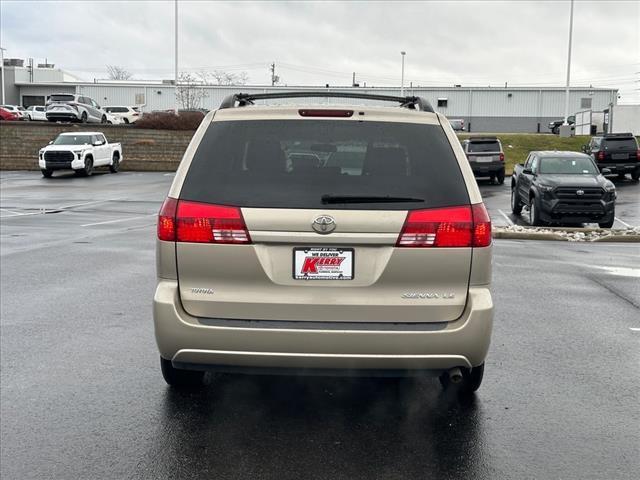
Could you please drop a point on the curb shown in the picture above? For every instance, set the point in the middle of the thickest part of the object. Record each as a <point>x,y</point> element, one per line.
<point>607,235</point>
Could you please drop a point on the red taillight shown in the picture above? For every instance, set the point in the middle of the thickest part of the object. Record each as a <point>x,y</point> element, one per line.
<point>465,226</point>
<point>206,223</point>
<point>481,225</point>
<point>600,155</point>
<point>325,113</point>
<point>502,157</point>
<point>638,154</point>
<point>167,220</point>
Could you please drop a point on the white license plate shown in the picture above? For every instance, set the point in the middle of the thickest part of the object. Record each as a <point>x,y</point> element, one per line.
<point>484,159</point>
<point>620,156</point>
<point>323,263</point>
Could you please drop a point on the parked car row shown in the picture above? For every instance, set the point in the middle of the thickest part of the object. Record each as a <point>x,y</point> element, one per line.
<point>67,107</point>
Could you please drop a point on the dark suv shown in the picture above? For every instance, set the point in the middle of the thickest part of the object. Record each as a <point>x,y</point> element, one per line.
<point>486,157</point>
<point>618,152</point>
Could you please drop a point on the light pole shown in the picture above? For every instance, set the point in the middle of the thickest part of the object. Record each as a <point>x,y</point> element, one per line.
<point>176,57</point>
<point>566,92</point>
<point>402,79</point>
<point>2,71</point>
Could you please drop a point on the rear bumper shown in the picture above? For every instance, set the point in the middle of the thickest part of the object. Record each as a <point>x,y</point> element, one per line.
<point>485,169</point>
<point>62,116</point>
<point>191,342</point>
<point>620,167</point>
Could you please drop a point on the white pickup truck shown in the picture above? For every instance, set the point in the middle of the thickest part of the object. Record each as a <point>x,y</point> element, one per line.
<point>80,152</point>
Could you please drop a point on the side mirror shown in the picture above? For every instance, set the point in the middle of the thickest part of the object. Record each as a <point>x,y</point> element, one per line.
<point>605,171</point>
<point>50,142</point>
<point>584,148</point>
<point>527,171</point>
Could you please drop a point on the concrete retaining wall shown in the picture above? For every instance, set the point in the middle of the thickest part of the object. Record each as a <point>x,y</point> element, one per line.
<point>143,150</point>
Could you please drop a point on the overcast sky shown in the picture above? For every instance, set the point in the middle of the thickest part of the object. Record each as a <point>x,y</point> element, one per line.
<point>313,43</point>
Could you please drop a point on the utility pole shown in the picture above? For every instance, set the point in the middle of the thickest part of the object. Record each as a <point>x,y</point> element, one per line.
<point>2,50</point>
<point>176,57</point>
<point>274,79</point>
<point>566,93</point>
<point>353,80</point>
<point>402,79</point>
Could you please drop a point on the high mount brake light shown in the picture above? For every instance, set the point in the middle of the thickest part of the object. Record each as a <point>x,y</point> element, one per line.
<point>305,112</point>
<point>183,221</point>
<point>463,226</point>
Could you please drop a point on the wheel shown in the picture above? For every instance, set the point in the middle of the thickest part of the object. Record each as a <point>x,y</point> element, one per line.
<point>103,119</point>
<point>471,380</point>
<point>635,176</point>
<point>621,176</point>
<point>83,117</point>
<point>179,378</point>
<point>115,164</point>
<point>608,223</point>
<point>46,173</point>
<point>516,205</point>
<point>126,120</point>
<point>492,179</point>
<point>88,167</point>
<point>555,130</point>
<point>534,212</point>
<point>500,177</point>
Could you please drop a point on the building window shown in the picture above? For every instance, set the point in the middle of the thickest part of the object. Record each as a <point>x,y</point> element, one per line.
<point>442,102</point>
<point>585,103</point>
<point>140,99</point>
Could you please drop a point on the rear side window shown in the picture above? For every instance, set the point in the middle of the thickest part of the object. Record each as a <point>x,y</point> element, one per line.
<point>293,164</point>
<point>61,98</point>
<point>625,143</point>
<point>479,147</point>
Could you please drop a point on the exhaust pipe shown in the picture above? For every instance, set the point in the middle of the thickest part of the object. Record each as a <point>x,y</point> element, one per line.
<point>455,375</point>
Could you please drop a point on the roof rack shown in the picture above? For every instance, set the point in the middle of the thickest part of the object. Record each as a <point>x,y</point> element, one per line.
<point>627,134</point>
<point>244,99</point>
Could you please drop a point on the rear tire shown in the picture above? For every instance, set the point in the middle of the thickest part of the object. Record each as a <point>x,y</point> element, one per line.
<point>179,378</point>
<point>46,173</point>
<point>103,120</point>
<point>635,176</point>
<point>126,121</point>
<point>471,381</point>
<point>115,164</point>
<point>500,177</point>
<point>83,117</point>
<point>516,205</point>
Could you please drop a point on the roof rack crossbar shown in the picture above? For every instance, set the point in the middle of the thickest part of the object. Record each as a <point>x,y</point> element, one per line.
<point>243,99</point>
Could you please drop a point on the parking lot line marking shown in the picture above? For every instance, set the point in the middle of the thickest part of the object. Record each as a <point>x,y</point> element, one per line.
<point>634,329</point>
<point>117,220</point>
<point>87,203</point>
<point>623,223</point>
<point>505,217</point>
<point>10,211</point>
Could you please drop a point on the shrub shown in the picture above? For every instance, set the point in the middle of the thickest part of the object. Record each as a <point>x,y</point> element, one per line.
<point>170,121</point>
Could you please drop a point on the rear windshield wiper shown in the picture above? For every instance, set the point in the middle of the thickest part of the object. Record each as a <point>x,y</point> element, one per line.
<point>367,199</point>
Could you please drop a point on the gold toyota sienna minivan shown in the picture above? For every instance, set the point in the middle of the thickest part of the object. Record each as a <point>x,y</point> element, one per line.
<point>324,240</point>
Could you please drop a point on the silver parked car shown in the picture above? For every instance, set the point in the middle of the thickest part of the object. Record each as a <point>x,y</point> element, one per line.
<point>68,107</point>
<point>324,239</point>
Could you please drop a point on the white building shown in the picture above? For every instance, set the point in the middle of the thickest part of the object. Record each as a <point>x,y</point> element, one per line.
<point>484,109</point>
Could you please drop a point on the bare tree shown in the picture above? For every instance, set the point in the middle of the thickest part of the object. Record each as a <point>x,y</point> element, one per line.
<point>190,92</point>
<point>118,73</point>
<point>220,77</point>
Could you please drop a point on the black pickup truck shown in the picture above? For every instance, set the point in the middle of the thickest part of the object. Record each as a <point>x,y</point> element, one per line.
<point>617,152</point>
<point>562,187</point>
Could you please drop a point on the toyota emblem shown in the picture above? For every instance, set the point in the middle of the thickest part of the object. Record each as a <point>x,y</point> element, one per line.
<point>579,192</point>
<point>324,224</point>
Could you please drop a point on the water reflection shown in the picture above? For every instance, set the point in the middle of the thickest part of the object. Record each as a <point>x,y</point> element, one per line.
<point>314,427</point>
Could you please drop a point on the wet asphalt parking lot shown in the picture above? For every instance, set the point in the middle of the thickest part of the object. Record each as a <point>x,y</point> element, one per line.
<point>82,397</point>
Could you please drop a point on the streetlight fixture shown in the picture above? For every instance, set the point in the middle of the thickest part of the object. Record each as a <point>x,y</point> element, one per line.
<point>402,79</point>
<point>176,57</point>
<point>2,50</point>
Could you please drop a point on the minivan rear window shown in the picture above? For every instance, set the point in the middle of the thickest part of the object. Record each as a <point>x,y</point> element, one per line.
<point>294,164</point>
<point>479,147</point>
